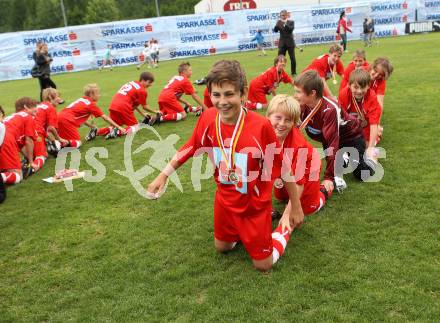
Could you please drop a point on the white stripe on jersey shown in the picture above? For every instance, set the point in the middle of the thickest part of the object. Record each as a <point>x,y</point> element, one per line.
<point>338,112</point>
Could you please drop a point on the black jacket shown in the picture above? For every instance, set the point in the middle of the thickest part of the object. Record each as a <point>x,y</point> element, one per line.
<point>286,33</point>
<point>43,62</point>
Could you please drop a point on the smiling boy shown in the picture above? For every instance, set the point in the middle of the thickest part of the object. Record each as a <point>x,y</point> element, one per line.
<point>324,121</point>
<point>327,66</point>
<point>267,83</point>
<point>360,101</point>
<point>245,151</point>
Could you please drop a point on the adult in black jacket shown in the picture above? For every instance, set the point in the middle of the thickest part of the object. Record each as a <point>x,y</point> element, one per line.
<point>43,59</point>
<point>286,41</point>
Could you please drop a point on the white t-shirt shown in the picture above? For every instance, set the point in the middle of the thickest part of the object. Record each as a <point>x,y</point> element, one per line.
<point>146,51</point>
<point>155,48</point>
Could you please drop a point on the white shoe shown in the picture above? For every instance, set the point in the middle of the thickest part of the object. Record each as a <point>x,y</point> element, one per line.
<point>340,184</point>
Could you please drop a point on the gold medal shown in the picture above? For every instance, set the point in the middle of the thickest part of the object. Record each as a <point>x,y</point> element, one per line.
<point>233,177</point>
<point>278,183</point>
<point>363,123</point>
<point>229,157</point>
<point>360,113</point>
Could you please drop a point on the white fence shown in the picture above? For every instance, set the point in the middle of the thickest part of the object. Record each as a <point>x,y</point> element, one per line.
<point>80,48</point>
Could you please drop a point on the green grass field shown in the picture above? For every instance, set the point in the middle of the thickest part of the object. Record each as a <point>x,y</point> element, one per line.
<point>104,253</point>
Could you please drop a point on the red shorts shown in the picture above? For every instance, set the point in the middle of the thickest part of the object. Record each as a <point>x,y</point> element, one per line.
<point>312,199</point>
<point>254,231</point>
<point>9,154</point>
<point>40,146</point>
<point>68,130</point>
<point>169,107</point>
<point>256,94</point>
<point>122,118</point>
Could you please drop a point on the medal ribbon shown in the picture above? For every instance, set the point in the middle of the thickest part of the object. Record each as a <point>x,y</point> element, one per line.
<point>358,109</point>
<point>310,116</point>
<point>234,139</point>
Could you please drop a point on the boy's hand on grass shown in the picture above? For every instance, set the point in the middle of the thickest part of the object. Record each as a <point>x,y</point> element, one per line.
<point>286,223</point>
<point>156,188</point>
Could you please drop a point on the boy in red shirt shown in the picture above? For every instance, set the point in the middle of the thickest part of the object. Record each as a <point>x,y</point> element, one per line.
<point>380,71</point>
<point>244,170</point>
<point>77,113</point>
<point>360,101</point>
<point>171,95</point>
<point>2,139</point>
<point>283,113</point>
<point>324,121</point>
<point>46,124</point>
<point>327,66</point>
<point>129,97</point>
<point>10,165</point>
<point>21,127</point>
<point>359,61</point>
<point>267,83</point>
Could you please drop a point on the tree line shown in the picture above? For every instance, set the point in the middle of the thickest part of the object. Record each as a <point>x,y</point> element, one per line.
<point>19,15</point>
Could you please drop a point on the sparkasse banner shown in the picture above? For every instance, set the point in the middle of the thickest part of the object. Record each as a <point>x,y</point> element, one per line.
<point>80,48</point>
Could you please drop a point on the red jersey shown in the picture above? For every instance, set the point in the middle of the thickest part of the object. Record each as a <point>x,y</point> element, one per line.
<point>369,106</point>
<point>46,116</point>
<point>257,161</point>
<point>20,125</point>
<point>270,79</point>
<point>342,27</point>
<point>350,68</point>
<point>332,127</point>
<point>207,98</point>
<point>80,110</point>
<point>175,88</point>
<point>324,69</point>
<point>129,96</point>
<point>378,86</point>
<point>302,156</point>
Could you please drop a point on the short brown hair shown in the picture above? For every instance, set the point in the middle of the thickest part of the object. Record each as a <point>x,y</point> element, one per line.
<point>49,94</point>
<point>24,102</point>
<point>89,89</point>
<point>229,71</point>
<point>146,76</point>
<point>2,112</point>
<point>309,81</point>
<point>385,64</point>
<point>359,53</point>
<point>361,77</point>
<point>279,58</point>
<point>286,105</point>
<point>336,48</point>
<point>183,66</point>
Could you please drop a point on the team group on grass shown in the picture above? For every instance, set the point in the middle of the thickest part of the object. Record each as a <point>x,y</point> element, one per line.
<point>253,155</point>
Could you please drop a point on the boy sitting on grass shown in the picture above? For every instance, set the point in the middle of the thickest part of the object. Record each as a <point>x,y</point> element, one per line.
<point>78,112</point>
<point>360,101</point>
<point>283,113</point>
<point>245,151</point>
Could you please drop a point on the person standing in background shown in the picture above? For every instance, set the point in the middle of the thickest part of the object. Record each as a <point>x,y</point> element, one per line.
<point>368,31</point>
<point>259,38</point>
<point>342,30</point>
<point>155,52</point>
<point>43,60</point>
<point>286,41</point>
